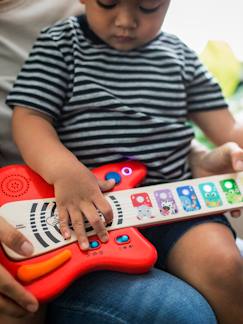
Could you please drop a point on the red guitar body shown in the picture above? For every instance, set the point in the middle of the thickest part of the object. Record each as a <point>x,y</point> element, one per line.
<point>127,250</point>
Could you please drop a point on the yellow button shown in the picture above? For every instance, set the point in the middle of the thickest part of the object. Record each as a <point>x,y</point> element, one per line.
<point>28,273</point>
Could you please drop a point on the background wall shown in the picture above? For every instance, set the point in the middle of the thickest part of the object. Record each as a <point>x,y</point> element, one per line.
<point>197,22</point>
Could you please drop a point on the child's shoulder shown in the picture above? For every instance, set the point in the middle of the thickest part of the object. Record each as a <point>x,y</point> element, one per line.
<point>173,41</point>
<point>62,27</point>
<point>175,46</point>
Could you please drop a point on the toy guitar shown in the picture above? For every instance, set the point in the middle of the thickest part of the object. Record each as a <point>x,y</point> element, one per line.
<point>27,203</point>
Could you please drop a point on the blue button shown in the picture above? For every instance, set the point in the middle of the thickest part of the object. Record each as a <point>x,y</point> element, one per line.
<point>122,239</point>
<point>94,244</point>
<point>113,175</point>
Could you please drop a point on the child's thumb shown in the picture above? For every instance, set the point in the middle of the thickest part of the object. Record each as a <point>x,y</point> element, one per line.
<point>106,185</point>
<point>238,165</point>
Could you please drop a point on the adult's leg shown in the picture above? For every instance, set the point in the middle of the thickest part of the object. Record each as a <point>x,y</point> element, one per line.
<point>207,257</point>
<point>111,297</point>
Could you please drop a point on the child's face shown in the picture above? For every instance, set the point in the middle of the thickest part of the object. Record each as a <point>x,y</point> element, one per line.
<point>126,24</point>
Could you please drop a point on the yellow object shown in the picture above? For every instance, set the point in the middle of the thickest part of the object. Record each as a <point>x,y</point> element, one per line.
<point>223,65</point>
<point>27,273</point>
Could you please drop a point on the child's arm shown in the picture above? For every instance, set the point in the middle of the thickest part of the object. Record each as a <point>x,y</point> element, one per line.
<point>223,159</point>
<point>219,126</point>
<point>77,192</point>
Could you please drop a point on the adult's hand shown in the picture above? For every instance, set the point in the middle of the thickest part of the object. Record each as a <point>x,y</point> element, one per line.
<point>15,300</point>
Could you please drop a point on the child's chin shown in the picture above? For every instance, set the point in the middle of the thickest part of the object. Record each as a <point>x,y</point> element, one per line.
<point>123,47</point>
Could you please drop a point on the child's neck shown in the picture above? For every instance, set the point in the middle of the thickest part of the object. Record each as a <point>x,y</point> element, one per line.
<point>88,32</point>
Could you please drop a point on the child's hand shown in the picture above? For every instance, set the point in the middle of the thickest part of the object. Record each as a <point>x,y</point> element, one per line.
<point>78,196</point>
<point>223,159</point>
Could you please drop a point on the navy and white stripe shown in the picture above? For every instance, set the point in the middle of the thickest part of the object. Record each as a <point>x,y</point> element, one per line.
<point>108,106</point>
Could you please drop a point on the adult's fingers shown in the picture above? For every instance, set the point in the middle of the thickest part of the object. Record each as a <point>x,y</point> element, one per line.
<point>14,239</point>
<point>10,308</point>
<point>15,300</point>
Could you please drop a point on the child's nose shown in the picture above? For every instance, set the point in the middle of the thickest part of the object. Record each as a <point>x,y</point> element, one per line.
<point>125,19</point>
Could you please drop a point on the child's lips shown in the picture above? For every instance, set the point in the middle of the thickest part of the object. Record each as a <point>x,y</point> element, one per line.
<point>123,39</point>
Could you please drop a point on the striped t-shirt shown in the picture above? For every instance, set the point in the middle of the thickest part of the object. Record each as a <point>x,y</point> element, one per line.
<point>110,106</point>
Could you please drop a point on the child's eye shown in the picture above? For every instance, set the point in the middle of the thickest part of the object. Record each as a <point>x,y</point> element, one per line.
<point>110,4</point>
<point>149,10</point>
<point>107,4</point>
<point>150,6</point>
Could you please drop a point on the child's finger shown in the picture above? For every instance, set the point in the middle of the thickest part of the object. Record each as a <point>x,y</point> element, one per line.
<point>64,222</point>
<point>238,164</point>
<point>106,185</point>
<point>236,156</point>
<point>77,219</point>
<point>95,221</point>
<point>104,207</point>
<point>235,213</point>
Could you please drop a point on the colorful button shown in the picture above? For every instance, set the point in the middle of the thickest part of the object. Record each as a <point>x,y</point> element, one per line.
<point>210,194</point>
<point>122,239</point>
<point>113,175</point>
<point>188,198</point>
<point>126,171</point>
<point>231,191</point>
<point>30,272</point>
<point>94,245</point>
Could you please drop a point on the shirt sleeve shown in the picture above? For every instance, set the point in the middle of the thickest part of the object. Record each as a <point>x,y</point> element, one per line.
<point>42,83</point>
<point>202,90</point>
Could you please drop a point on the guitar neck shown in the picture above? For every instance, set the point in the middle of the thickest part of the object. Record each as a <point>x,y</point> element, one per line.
<point>139,207</point>
<point>164,203</point>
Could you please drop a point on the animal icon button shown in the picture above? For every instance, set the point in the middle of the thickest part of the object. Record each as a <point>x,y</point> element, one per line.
<point>188,198</point>
<point>210,194</point>
<point>231,190</point>
<point>142,203</point>
<point>165,202</point>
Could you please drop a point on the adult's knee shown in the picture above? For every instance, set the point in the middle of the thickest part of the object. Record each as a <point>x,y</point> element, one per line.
<point>187,306</point>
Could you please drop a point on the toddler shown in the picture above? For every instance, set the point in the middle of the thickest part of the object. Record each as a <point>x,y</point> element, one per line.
<point>110,86</point>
